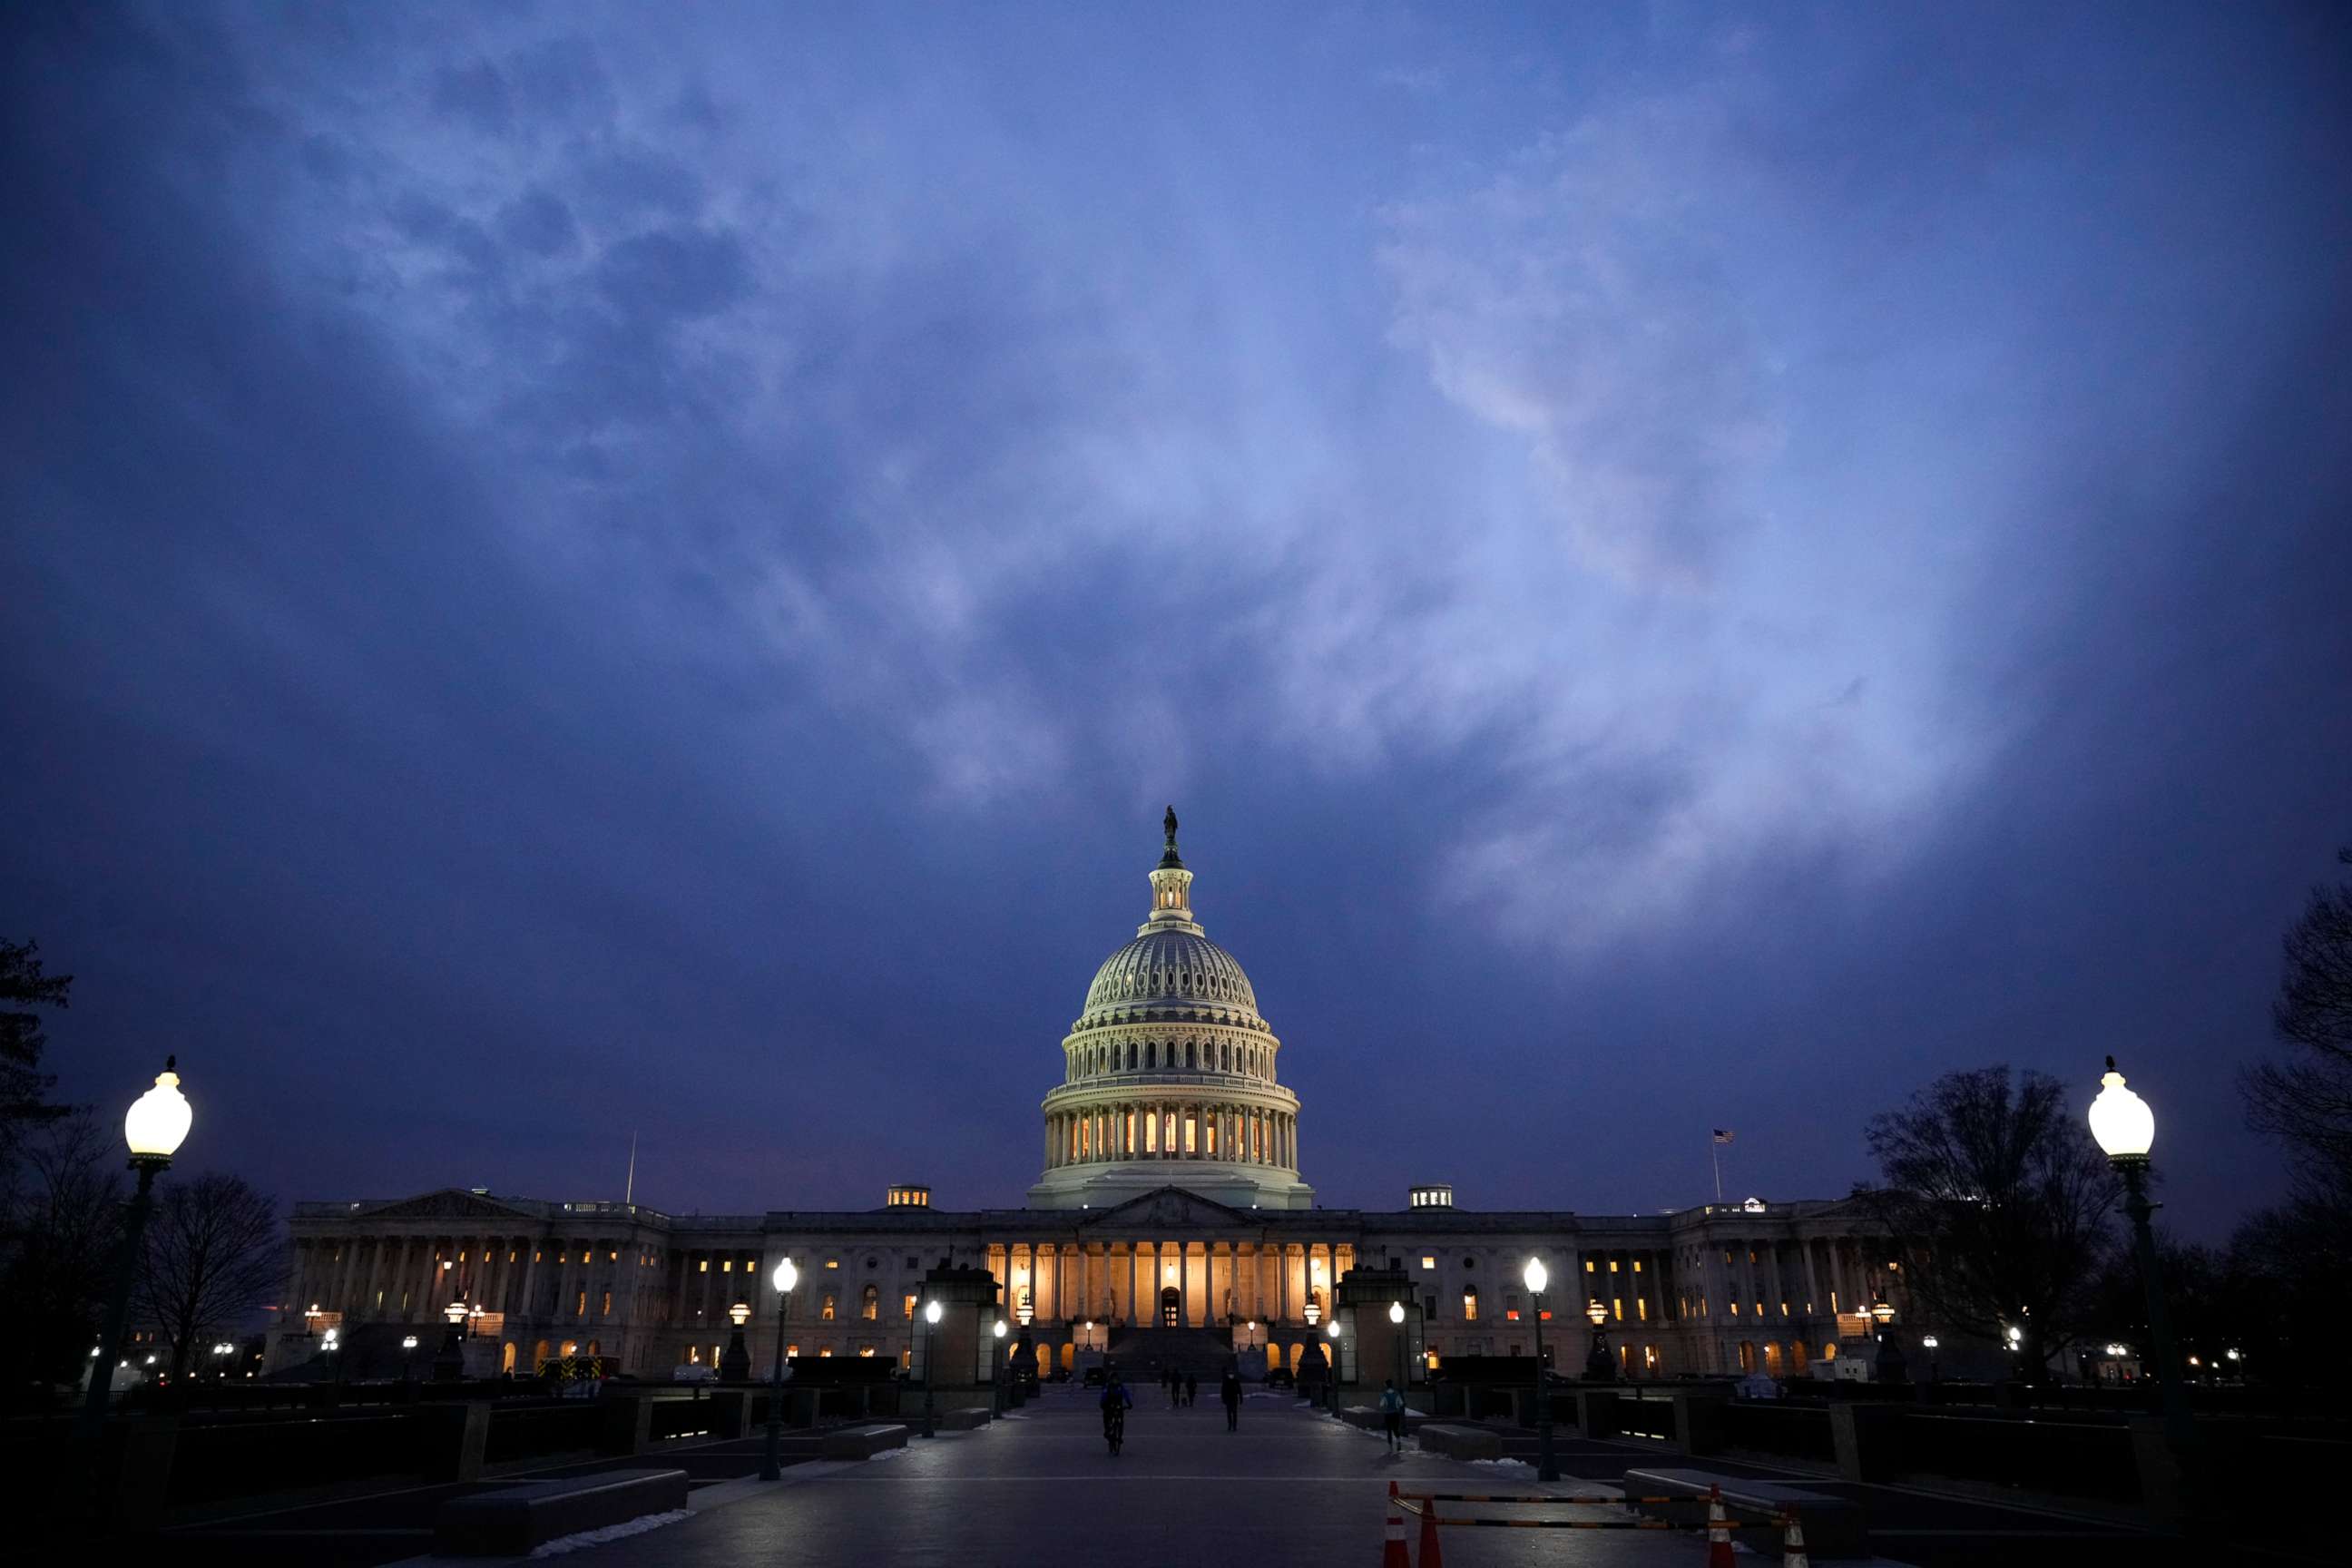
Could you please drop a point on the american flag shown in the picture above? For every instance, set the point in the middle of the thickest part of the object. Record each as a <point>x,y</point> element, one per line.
<point>1723,1134</point>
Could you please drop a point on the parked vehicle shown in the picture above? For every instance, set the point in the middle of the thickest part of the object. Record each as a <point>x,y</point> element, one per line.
<point>692,1372</point>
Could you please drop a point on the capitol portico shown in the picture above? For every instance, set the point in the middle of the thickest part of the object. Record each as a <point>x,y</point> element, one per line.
<point>1169,1200</point>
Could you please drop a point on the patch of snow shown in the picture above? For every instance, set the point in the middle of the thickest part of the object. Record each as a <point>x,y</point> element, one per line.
<point>588,1537</point>
<point>890,1454</point>
<point>1505,1467</point>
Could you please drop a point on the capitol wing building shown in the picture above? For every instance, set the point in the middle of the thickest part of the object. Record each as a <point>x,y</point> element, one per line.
<point>1169,1219</point>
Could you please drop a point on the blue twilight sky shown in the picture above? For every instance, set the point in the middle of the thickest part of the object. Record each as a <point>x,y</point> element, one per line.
<point>576,569</point>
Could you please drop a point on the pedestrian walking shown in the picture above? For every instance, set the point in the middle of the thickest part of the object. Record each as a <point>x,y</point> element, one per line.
<point>1174,1384</point>
<point>1191,1389</point>
<point>1392,1414</point>
<point>1230,1391</point>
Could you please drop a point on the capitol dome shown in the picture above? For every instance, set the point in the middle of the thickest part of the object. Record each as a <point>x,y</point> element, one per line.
<point>1169,1074</point>
<point>1170,968</point>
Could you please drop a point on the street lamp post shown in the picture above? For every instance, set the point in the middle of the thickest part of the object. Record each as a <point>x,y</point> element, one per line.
<point>1600,1366</point>
<point>735,1365</point>
<point>931,1369</point>
<point>449,1366</point>
<point>1888,1366</point>
<point>1331,1377</point>
<point>1928,1343</point>
<point>772,1465</point>
<point>996,1372</point>
<point>2125,1129</point>
<point>154,1128</point>
<point>1396,1322</point>
<point>407,1356</point>
<point>1546,1461</point>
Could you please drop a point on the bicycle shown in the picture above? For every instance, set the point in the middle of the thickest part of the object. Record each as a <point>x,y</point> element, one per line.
<point>1114,1427</point>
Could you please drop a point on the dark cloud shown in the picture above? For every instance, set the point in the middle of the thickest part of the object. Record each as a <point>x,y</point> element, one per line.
<point>1752,570</point>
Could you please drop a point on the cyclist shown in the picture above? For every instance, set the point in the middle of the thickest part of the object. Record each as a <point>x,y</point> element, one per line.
<point>1115,1402</point>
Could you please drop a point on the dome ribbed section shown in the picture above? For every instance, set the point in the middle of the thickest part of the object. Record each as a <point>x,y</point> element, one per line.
<point>1172,968</point>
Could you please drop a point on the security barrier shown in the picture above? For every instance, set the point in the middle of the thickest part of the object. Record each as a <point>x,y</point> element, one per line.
<point>1719,1525</point>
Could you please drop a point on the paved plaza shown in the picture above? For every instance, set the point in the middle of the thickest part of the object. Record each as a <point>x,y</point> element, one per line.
<point>1290,1486</point>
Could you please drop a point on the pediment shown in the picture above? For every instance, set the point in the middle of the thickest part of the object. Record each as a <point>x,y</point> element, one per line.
<point>1170,1210</point>
<point>450,1202</point>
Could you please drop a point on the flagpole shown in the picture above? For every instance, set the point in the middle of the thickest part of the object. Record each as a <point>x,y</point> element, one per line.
<point>1715,1158</point>
<point>631,1196</point>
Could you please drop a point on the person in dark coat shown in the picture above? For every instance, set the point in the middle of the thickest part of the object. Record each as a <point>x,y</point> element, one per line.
<point>1230,1391</point>
<point>1191,1388</point>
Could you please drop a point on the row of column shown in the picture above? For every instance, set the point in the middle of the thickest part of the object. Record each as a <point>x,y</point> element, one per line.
<point>1811,1276</point>
<point>411,1279</point>
<point>1172,1129</point>
<point>1123,1282</point>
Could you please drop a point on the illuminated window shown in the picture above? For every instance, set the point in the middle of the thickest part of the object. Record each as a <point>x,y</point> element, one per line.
<point>909,1313</point>
<point>613,1255</point>
<point>1426,1261</point>
<point>1469,1303</point>
<point>1588,1266</point>
<point>1642,1308</point>
<point>1152,1134</point>
<point>790,1351</point>
<point>1637,1266</point>
<point>1617,1304</point>
<point>869,1306</point>
<point>1613,1262</point>
<point>866,1351</point>
<point>704,1266</point>
<point>608,1304</point>
<point>824,1353</point>
<point>726,1266</point>
<point>826,1311</point>
<point>582,1311</point>
<point>835,1262</point>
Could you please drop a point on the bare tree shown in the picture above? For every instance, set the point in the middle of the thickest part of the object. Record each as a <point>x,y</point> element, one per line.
<point>23,1087</point>
<point>64,1224</point>
<point>1998,1201</point>
<point>214,1255</point>
<point>2305,1103</point>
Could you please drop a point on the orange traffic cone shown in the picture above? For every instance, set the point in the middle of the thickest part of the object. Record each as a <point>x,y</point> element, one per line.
<point>1792,1542</point>
<point>1392,1550</point>
<point>1719,1530</point>
<point>1431,1554</point>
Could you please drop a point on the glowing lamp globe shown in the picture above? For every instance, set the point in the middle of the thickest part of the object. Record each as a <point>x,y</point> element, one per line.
<point>2120,1119</point>
<point>931,1313</point>
<point>1595,1313</point>
<point>1396,1312</point>
<point>785,1277</point>
<point>742,1312</point>
<point>408,1341</point>
<point>455,1313</point>
<point>1332,1328</point>
<point>1931,1341</point>
<point>158,1120</point>
<point>1882,1309</point>
<point>999,1330</point>
<point>1536,1276</point>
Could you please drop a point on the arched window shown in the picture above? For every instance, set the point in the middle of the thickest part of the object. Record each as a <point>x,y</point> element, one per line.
<point>869,1304</point>
<point>1469,1303</point>
<point>827,1312</point>
<point>1191,1057</point>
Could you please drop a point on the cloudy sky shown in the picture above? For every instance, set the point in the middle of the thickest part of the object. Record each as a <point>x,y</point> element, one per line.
<point>576,570</point>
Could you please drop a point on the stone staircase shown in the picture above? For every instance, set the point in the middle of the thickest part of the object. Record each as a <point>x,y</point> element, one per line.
<point>1144,1354</point>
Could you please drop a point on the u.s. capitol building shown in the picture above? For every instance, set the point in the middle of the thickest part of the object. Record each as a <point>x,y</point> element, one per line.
<point>1170,1198</point>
